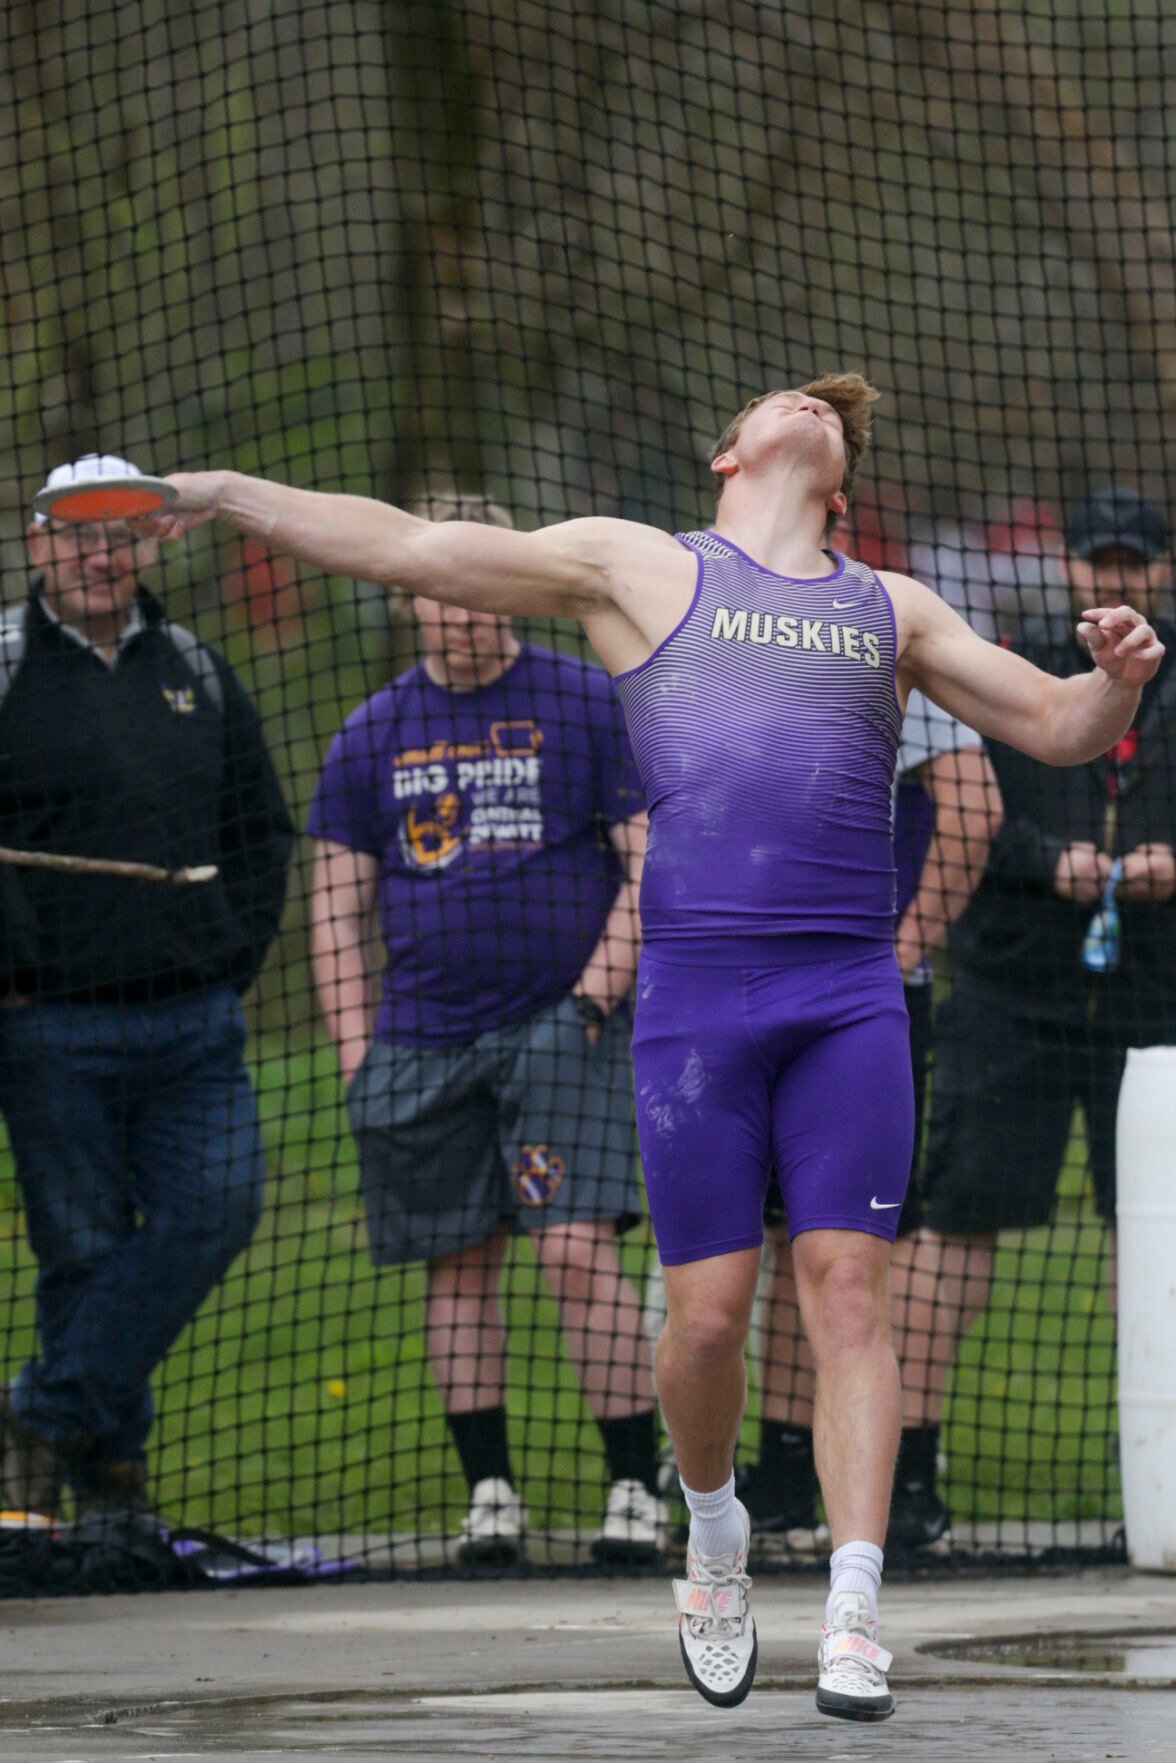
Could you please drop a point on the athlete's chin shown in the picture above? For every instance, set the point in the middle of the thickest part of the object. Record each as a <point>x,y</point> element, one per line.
<point>812,447</point>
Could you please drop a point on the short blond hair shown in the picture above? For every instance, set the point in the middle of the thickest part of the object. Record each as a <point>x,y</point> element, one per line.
<point>454,504</point>
<point>851,396</point>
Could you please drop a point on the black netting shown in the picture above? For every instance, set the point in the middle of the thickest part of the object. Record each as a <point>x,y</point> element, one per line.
<point>522,264</point>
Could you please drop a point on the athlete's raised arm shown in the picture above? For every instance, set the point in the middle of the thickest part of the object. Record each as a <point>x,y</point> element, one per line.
<point>1059,721</point>
<point>573,569</point>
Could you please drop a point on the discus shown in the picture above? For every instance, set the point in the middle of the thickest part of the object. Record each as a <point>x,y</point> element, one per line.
<point>107,498</point>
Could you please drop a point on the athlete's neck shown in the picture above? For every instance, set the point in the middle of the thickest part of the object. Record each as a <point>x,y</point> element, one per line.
<point>469,673</point>
<point>781,526</point>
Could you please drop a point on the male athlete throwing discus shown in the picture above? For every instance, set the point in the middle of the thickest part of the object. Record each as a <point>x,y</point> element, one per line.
<point>763,679</point>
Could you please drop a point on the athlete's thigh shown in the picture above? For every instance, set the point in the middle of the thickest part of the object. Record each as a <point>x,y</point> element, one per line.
<point>703,1109</point>
<point>843,1116</point>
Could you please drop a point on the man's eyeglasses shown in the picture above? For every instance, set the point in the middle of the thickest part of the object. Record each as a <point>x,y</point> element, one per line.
<point>101,536</point>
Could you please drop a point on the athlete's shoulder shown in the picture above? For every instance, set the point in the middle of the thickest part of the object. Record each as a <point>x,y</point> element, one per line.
<point>922,613</point>
<point>906,586</point>
<point>610,529</point>
<point>605,540</point>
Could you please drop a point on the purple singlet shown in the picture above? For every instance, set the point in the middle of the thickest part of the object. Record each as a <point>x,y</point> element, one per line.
<point>766,728</point>
<point>770,1021</point>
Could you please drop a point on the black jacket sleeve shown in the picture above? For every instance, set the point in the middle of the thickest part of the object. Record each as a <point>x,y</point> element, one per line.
<point>256,834</point>
<point>1024,852</point>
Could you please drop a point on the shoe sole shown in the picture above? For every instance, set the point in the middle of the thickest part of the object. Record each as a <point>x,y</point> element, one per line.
<point>723,1698</point>
<point>853,1707</point>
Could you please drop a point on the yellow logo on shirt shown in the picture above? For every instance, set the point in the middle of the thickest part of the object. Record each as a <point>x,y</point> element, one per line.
<point>181,699</point>
<point>433,840</point>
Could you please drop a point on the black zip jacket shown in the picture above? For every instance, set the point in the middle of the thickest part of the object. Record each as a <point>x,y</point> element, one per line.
<point>136,761</point>
<point>1017,934</point>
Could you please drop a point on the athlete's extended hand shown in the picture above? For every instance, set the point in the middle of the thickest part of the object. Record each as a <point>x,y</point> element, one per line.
<point>1122,643</point>
<point>199,502</point>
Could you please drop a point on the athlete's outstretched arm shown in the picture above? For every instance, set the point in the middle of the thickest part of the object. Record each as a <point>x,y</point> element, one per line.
<point>1059,721</point>
<point>561,569</point>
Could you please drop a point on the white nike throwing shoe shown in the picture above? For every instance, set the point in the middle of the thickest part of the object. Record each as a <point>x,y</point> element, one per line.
<point>716,1630</point>
<point>852,1681</point>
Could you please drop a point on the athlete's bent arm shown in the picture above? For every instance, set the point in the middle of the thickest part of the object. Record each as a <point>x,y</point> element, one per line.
<point>1058,721</point>
<point>342,900</point>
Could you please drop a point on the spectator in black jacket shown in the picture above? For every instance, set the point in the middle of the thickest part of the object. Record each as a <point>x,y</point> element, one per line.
<point>1065,957</point>
<point>132,1120</point>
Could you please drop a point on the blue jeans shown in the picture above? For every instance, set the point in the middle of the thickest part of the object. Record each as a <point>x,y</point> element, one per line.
<point>138,1152</point>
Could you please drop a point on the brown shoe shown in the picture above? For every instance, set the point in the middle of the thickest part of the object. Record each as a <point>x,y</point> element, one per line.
<point>108,1490</point>
<point>33,1469</point>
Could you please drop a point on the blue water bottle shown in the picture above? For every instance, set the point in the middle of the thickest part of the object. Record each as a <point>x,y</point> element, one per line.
<point>1101,944</point>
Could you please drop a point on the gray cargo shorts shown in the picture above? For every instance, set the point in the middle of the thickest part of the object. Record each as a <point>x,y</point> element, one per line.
<point>526,1127</point>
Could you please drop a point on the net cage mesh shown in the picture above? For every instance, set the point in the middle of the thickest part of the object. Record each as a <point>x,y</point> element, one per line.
<point>534,257</point>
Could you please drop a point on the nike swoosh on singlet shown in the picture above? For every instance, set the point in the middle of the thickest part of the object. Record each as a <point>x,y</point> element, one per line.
<point>846,605</point>
<point>883,1205</point>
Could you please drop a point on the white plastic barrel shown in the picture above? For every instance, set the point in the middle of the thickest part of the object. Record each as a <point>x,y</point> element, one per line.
<point>1146,1209</point>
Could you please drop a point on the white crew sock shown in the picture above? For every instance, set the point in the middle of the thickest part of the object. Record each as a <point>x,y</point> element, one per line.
<point>855,1567</point>
<point>716,1527</point>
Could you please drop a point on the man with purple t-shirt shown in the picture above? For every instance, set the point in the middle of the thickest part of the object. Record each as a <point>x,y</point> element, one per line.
<point>763,679</point>
<point>486,806</point>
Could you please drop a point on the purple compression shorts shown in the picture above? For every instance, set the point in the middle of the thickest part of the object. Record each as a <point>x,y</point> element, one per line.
<point>804,1062</point>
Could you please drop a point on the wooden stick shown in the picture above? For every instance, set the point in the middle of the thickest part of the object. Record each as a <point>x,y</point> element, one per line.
<point>143,872</point>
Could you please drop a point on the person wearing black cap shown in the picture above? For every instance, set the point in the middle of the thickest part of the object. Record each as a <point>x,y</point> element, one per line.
<point>132,1121</point>
<point>1064,958</point>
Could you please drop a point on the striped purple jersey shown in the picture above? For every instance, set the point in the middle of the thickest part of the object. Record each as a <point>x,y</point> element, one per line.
<point>766,728</point>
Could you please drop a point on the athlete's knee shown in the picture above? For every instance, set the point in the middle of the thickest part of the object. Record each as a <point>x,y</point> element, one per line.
<point>708,1305</point>
<point>844,1291</point>
<point>707,1338</point>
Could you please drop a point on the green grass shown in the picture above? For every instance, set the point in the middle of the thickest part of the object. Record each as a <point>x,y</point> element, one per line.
<point>1031,1417</point>
<point>300,1399</point>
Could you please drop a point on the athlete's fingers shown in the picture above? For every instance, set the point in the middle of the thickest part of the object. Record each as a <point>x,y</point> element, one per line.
<point>172,525</point>
<point>1136,641</point>
<point>158,526</point>
<point>1106,614</point>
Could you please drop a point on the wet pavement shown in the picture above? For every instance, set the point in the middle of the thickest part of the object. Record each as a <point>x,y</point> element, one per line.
<point>1074,1667</point>
<point>932,1724</point>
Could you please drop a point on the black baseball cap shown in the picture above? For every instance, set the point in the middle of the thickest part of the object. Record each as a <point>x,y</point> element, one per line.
<point>1117,517</point>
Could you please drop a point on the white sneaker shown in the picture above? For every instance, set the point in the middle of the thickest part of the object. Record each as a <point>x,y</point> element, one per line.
<point>634,1526</point>
<point>716,1631</point>
<point>493,1529</point>
<point>852,1682</point>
